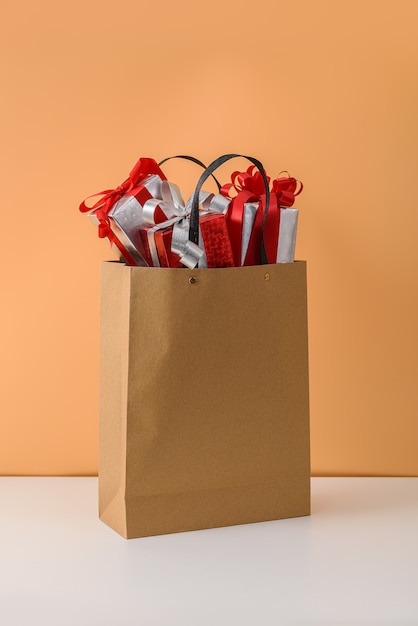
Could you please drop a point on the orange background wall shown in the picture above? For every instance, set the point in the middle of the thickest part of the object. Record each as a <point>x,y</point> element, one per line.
<point>325,89</point>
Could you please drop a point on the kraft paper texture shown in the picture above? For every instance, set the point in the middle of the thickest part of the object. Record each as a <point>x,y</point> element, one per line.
<point>204,404</point>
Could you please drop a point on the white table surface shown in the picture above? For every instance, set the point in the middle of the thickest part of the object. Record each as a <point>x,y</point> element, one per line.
<point>353,562</point>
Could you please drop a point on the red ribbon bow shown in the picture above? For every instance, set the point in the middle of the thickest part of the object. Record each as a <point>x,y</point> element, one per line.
<point>246,181</point>
<point>285,188</point>
<point>144,167</point>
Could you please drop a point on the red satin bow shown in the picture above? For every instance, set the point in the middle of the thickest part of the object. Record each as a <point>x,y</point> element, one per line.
<point>143,168</point>
<point>249,187</point>
<point>285,188</point>
<point>246,181</point>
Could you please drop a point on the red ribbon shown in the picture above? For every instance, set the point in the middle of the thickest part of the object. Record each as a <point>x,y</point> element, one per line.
<point>249,187</point>
<point>144,167</point>
<point>247,181</point>
<point>286,189</point>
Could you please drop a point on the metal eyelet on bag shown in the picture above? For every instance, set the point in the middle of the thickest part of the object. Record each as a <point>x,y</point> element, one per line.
<point>192,280</point>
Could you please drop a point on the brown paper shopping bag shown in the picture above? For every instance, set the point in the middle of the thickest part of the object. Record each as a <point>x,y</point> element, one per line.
<point>204,407</point>
<point>204,414</point>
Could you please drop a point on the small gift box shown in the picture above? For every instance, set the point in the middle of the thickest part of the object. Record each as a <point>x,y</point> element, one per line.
<point>246,214</point>
<point>214,238</point>
<point>119,211</point>
<point>163,242</point>
<point>167,244</point>
<point>214,245</point>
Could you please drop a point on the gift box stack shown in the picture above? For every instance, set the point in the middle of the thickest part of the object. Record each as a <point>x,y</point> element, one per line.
<point>147,221</point>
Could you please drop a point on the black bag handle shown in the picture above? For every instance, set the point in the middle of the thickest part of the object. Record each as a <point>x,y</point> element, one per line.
<point>194,160</point>
<point>194,216</point>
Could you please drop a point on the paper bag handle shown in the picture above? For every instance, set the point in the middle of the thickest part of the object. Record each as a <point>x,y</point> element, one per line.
<point>194,160</point>
<point>194,216</point>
